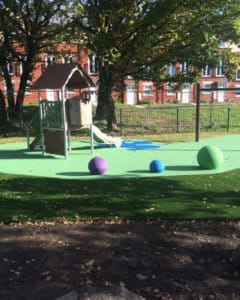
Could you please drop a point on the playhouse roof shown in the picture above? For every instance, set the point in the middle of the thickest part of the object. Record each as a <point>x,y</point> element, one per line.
<point>63,75</point>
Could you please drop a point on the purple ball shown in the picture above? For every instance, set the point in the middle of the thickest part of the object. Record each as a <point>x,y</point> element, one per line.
<point>97,166</point>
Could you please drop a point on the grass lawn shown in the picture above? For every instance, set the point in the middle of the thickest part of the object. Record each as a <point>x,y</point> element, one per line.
<point>30,199</point>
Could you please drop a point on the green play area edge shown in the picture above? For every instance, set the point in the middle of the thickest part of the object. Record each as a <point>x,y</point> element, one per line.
<point>179,159</point>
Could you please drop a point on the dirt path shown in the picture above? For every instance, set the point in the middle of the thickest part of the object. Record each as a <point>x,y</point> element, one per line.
<point>163,260</point>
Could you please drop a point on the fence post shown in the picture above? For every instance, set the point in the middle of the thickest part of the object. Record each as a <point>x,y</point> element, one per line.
<point>121,125</point>
<point>197,129</point>
<point>148,115</point>
<point>177,120</point>
<point>211,112</point>
<point>228,119</point>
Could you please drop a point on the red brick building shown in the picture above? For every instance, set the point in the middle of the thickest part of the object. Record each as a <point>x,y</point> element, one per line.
<point>133,92</point>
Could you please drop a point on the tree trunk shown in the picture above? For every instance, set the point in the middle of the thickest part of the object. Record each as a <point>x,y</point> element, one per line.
<point>10,91</point>
<point>27,69</point>
<point>106,107</point>
<point>3,109</point>
<point>19,101</point>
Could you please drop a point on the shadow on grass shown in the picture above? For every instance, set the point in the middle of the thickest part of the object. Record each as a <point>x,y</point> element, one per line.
<point>200,197</point>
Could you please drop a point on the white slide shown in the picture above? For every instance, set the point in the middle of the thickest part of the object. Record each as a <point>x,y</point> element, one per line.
<point>101,137</point>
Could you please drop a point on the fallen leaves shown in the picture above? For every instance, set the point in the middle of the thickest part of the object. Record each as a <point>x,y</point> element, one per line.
<point>47,275</point>
<point>149,209</point>
<point>141,277</point>
<point>90,263</point>
<point>16,272</point>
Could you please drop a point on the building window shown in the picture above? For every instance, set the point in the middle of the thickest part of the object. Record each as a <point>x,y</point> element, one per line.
<point>70,90</point>
<point>220,69</point>
<point>28,87</point>
<point>185,67</point>
<point>23,59</point>
<point>238,74</point>
<point>207,85</point>
<point>93,65</point>
<point>147,89</point>
<point>222,44</point>
<point>171,70</point>
<point>238,91</point>
<point>206,71</point>
<point>170,88</point>
<point>50,60</point>
<point>67,59</point>
<point>10,67</point>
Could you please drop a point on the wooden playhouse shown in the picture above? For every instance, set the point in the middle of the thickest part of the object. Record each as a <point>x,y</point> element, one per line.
<point>63,112</point>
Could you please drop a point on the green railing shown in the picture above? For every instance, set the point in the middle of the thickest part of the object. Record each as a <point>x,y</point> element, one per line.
<point>51,114</point>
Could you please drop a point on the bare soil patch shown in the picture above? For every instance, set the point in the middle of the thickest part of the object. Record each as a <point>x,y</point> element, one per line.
<point>155,260</point>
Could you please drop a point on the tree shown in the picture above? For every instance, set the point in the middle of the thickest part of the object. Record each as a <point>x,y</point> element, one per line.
<point>3,113</point>
<point>198,32</point>
<point>26,28</point>
<point>140,38</point>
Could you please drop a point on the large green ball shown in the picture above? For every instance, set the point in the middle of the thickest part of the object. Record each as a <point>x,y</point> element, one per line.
<point>210,157</point>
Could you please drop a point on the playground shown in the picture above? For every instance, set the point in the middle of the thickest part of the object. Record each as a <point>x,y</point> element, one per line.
<point>52,153</point>
<point>132,160</point>
<point>160,259</point>
<point>74,234</point>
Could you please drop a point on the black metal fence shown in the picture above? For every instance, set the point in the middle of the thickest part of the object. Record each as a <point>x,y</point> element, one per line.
<point>159,119</point>
<point>179,119</point>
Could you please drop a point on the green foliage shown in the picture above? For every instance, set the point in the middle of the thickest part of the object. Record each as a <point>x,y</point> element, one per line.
<point>139,38</point>
<point>26,28</point>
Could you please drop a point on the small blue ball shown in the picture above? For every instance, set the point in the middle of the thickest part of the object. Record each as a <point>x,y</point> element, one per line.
<point>157,166</point>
